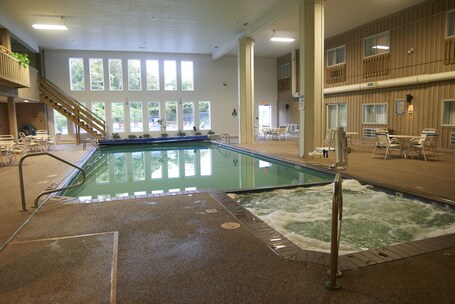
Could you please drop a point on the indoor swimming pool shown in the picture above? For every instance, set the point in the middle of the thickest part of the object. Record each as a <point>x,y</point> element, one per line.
<point>126,171</point>
<point>371,218</point>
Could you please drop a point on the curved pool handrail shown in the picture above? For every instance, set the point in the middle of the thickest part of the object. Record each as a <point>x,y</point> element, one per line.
<point>21,179</point>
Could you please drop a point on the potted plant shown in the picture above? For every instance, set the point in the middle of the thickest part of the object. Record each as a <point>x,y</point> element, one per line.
<point>162,124</point>
<point>181,133</point>
<point>210,132</point>
<point>22,58</point>
<point>115,136</point>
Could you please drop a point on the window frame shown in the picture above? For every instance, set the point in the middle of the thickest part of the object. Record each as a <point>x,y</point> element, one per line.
<point>450,13</point>
<point>149,64</point>
<point>451,122</point>
<point>173,74</point>
<point>343,47</point>
<point>338,114</point>
<point>112,117</point>
<point>140,75</point>
<point>375,122</point>
<point>155,126</point>
<point>110,74</point>
<point>91,62</point>
<point>141,116</point>
<point>71,74</point>
<point>209,127</point>
<point>191,103</point>
<point>376,37</point>
<point>183,73</point>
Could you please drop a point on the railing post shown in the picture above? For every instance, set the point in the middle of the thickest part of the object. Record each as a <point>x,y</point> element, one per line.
<point>337,211</point>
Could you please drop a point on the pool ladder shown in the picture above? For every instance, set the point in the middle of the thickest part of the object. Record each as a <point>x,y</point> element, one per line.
<point>93,141</point>
<point>337,215</point>
<point>224,136</point>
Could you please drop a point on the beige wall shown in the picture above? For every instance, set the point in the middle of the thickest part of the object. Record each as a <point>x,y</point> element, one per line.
<point>417,37</point>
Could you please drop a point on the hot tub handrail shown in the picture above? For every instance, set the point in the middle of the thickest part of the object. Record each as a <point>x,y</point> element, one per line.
<point>21,178</point>
<point>337,215</point>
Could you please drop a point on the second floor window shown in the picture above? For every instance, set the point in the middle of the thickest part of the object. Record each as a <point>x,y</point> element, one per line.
<point>96,74</point>
<point>448,112</point>
<point>115,75</point>
<point>77,74</point>
<point>170,75</point>
<point>336,56</point>
<point>451,23</point>
<point>377,44</point>
<point>187,75</point>
<point>134,75</point>
<point>152,75</point>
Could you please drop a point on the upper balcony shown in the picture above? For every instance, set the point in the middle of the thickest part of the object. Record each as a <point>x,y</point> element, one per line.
<point>12,73</point>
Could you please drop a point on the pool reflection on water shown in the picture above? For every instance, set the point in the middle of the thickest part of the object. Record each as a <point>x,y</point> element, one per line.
<point>152,169</point>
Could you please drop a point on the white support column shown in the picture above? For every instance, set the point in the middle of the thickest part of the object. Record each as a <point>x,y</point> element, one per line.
<point>246,90</point>
<point>311,74</point>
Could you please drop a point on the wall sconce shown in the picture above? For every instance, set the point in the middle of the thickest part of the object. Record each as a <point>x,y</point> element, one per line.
<point>234,112</point>
<point>409,98</point>
<point>410,109</point>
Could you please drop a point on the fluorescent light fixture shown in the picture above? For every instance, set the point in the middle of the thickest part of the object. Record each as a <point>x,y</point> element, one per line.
<point>52,27</point>
<point>282,39</point>
<point>381,47</point>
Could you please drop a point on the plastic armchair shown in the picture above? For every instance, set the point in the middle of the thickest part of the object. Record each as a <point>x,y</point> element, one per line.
<point>417,145</point>
<point>389,144</point>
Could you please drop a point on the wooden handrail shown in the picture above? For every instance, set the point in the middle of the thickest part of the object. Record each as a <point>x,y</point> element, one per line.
<point>79,114</point>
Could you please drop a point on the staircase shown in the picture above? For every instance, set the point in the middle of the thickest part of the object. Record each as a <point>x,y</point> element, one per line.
<point>82,117</point>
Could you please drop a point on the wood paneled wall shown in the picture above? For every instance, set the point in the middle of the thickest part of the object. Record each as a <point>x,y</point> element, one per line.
<point>417,46</point>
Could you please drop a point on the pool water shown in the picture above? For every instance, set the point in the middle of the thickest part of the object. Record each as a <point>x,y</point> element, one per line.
<point>158,168</point>
<point>371,218</point>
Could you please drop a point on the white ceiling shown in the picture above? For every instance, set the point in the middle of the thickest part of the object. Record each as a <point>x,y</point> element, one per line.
<point>180,26</point>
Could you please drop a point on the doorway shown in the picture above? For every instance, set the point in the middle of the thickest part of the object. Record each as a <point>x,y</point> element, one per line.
<point>265,116</point>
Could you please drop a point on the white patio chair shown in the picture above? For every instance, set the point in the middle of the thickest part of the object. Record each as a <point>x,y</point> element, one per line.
<point>417,145</point>
<point>6,143</point>
<point>431,141</point>
<point>55,141</point>
<point>385,142</point>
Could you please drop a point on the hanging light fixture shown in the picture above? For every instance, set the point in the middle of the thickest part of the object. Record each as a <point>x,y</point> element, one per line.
<point>281,39</point>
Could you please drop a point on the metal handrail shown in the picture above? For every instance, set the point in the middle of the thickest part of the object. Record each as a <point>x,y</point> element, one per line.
<point>21,179</point>
<point>337,216</point>
<point>92,140</point>
<point>225,136</point>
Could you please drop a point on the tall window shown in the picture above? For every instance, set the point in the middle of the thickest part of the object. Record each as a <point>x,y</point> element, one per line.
<point>170,75</point>
<point>96,74</point>
<point>118,117</point>
<point>77,74</point>
<point>205,119</point>
<point>451,23</point>
<point>336,115</point>
<point>375,113</point>
<point>154,115</point>
<point>99,109</point>
<point>115,75</point>
<point>136,122</point>
<point>336,56</point>
<point>171,116</point>
<point>377,44</point>
<point>188,115</point>
<point>60,123</point>
<point>152,74</point>
<point>134,75</point>
<point>187,75</point>
<point>448,112</point>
